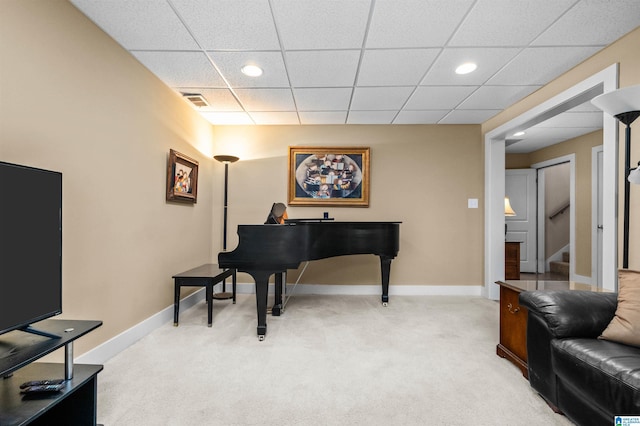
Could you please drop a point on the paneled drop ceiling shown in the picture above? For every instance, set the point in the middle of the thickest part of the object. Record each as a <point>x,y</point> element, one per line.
<point>363,61</point>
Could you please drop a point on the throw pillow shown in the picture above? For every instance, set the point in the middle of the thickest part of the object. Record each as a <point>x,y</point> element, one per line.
<point>625,325</point>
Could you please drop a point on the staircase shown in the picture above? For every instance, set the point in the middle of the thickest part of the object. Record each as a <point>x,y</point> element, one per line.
<point>561,269</point>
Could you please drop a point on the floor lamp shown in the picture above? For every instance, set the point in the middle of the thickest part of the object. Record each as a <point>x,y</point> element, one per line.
<point>623,104</point>
<point>226,160</point>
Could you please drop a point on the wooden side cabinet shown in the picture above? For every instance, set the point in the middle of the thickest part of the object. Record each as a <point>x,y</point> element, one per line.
<point>513,317</point>
<point>513,328</point>
<point>511,260</point>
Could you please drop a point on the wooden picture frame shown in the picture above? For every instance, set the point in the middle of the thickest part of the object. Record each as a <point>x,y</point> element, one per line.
<point>182,178</point>
<point>329,176</point>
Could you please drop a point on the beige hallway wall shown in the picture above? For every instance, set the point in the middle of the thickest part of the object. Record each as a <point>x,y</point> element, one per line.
<point>581,147</point>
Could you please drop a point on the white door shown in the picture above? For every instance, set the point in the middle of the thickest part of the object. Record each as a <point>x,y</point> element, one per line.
<point>520,187</point>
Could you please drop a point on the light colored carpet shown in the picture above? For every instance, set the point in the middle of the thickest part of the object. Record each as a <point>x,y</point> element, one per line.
<point>329,360</point>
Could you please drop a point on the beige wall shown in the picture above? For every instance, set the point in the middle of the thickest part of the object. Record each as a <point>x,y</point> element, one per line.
<point>420,175</point>
<point>74,101</point>
<point>625,52</point>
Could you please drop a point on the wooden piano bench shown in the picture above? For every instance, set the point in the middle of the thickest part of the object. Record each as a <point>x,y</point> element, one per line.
<point>207,276</point>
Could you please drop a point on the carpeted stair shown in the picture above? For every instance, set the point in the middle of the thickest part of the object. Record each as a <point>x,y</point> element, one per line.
<point>561,268</point>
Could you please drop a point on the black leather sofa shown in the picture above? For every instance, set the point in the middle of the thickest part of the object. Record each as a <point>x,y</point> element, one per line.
<point>590,380</point>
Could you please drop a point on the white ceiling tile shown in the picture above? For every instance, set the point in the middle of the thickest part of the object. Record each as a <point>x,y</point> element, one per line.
<point>323,68</point>
<point>540,137</point>
<point>380,98</point>
<point>507,22</point>
<point>323,99</point>
<point>323,117</point>
<point>488,59</point>
<point>181,69</point>
<point>468,116</point>
<point>230,24</point>
<point>272,64</point>
<point>364,61</point>
<point>414,23</point>
<point>371,117</point>
<point>275,117</point>
<point>324,24</point>
<point>539,65</point>
<point>223,118</point>
<point>266,99</point>
<point>496,97</point>
<point>142,25</point>
<point>396,67</point>
<point>592,22</point>
<point>438,97</point>
<point>420,117</point>
<point>218,99</point>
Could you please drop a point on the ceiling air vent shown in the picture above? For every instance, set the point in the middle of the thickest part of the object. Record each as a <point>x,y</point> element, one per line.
<point>196,99</point>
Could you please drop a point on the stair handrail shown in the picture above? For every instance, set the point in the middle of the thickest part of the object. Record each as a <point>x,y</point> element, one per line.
<point>559,211</point>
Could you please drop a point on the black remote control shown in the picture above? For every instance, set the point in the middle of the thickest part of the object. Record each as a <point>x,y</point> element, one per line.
<point>43,388</point>
<point>41,383</point>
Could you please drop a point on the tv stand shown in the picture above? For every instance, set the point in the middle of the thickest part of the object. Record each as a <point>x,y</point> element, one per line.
<point>75,404</point>
<point>29,329</point>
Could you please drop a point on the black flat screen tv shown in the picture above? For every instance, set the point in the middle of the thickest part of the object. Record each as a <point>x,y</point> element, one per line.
<point>30,246</point>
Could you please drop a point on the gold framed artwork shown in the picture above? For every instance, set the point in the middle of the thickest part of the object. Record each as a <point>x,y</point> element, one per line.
<point>329,176</point>
<point>182,178</point>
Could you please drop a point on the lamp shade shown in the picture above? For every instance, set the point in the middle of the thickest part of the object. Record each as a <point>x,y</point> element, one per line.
<point>634,175</point>
<point>624,104</point>
<point>508,211</point>
<point>226,158</point>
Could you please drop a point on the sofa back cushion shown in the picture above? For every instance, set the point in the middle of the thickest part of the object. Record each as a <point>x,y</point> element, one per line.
<point>571,313</point>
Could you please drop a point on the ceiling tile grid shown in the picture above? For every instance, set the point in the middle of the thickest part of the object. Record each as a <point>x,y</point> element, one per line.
<point>360,61</point>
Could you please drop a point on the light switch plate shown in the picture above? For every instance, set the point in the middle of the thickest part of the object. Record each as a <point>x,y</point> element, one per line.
<point>472,203</point>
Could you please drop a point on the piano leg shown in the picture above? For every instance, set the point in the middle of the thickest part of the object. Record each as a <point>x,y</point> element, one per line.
<point>277,298</point>
<point>385,267</point>
<point>262,290</point>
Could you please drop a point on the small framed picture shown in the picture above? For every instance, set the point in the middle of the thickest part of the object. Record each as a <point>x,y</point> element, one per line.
<point>182,178</point>
<point>321,176</point>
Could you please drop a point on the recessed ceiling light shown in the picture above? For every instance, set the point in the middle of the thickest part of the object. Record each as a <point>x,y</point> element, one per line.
<point>518,134</point>
<point>251,70</point>
<point>466,68</point>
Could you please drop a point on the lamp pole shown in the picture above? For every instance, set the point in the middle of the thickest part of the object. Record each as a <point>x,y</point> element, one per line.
<point>627,118</point>
<point>623,104</point>
<point>226,160</point>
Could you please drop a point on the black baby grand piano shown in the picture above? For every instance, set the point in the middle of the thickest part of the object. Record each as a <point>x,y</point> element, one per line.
<point>264,250</point>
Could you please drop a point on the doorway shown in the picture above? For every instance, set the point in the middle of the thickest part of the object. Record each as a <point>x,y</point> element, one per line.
<point>556,218</point>
<point>601,82</point>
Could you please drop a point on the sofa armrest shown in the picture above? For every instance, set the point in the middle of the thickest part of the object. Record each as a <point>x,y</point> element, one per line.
<point>571,313</point>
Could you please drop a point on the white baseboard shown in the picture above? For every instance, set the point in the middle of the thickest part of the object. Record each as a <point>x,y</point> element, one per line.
<point>582,279</point>
<point>394,290</point>
<point>105,351</point>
